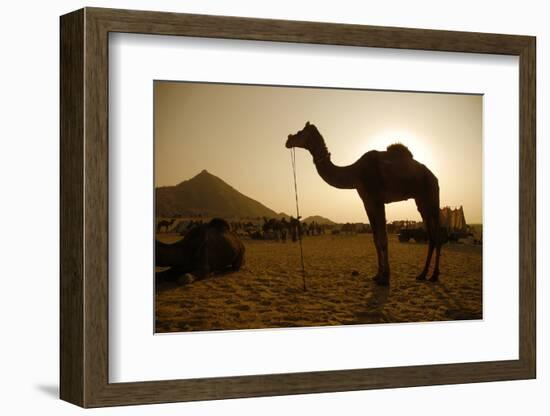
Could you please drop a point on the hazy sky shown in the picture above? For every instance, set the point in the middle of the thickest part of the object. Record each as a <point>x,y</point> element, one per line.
<point>238,133</point>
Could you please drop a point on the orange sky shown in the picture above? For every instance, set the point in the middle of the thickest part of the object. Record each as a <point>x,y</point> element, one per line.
<point>238,132</point>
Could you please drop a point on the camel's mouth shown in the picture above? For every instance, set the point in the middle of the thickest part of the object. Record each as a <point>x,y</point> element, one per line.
<point>289,144</point>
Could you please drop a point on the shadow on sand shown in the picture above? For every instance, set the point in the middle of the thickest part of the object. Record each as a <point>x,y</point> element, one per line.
<point>456,311</point>
<point>374,307</point>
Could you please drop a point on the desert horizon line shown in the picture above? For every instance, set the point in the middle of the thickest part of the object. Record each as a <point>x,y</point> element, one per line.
<point>304,217</point>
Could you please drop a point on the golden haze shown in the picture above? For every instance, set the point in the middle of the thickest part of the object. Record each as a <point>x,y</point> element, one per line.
<point>238,133</point>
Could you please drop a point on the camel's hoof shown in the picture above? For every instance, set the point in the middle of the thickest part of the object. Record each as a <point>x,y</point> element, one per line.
<point>186,279</point>
<point>434,278</point>
<point>421,276</point>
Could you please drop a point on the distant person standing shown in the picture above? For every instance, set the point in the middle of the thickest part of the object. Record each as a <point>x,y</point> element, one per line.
<point>294,228</point>
<point>284,229</point>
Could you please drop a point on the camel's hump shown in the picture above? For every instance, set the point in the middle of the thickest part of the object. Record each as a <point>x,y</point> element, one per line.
<point>219,224</point>
<point>399,148</point>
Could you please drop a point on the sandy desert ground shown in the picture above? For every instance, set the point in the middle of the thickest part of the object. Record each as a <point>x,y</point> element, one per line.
<point>267,292</point>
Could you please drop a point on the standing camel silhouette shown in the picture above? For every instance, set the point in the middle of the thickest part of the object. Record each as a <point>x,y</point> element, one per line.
<point>380,178</point>
<point>166,224</point>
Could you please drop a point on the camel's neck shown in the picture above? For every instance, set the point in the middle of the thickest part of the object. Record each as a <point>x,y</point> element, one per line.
<point>342,177</point>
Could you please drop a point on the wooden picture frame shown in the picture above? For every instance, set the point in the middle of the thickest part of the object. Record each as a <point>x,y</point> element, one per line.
<point>84,207</point>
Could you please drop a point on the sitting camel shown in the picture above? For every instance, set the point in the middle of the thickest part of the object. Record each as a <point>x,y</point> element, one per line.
<point>206,248</point>
<point>381,178</point>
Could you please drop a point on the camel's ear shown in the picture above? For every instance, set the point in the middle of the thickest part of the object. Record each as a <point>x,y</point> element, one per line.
<point>307,123</point>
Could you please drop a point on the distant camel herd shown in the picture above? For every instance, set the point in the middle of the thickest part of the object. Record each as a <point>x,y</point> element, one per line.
<point>278,229</point>
<point>379,177</point>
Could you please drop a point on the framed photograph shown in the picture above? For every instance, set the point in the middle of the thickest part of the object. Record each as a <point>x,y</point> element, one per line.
<point>255,207</point>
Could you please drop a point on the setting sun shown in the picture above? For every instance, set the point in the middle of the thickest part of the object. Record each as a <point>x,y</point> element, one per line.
<point>442,131</point>
<point>419,148</point>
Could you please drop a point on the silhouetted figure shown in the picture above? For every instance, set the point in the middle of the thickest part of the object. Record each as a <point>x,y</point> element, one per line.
<point>166,224</point>
<point>380,178</point>
<point>284,229</point>
<point>313,228</point>
<point>319,229</point>
<point>295,228</point>
<point>269,228</point>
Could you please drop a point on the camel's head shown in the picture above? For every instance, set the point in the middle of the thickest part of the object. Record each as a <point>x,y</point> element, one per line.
<point>304,138</point>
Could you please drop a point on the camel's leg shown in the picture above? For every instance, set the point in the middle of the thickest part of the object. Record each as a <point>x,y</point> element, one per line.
<point>431,239</point>
<point>370,214</point>
<point>424,272</point>
<point>377,218</point>
<point>431,219</point>
<point>438,243</point>
<point>382,238</point>
<point>429,209</point>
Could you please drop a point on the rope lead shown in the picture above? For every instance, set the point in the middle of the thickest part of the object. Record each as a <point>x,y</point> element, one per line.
<point>293,160</point>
